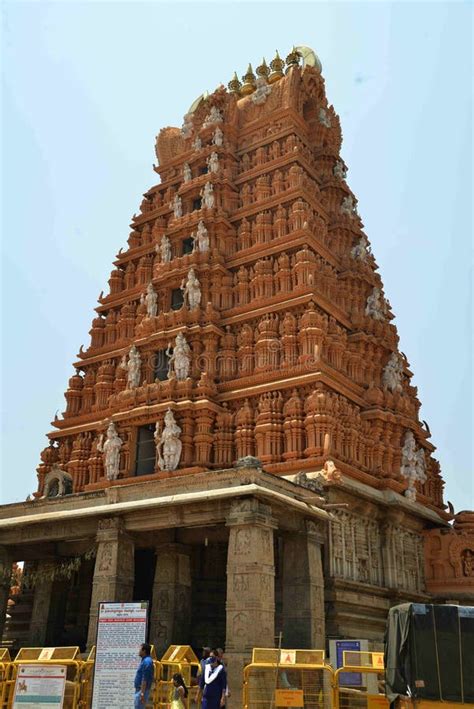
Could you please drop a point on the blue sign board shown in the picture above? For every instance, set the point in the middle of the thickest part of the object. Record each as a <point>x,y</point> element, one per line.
<point>347,679</point>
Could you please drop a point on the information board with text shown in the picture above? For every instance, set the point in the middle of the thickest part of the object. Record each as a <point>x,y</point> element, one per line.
<point>39,686</point>
<point>121,629</point>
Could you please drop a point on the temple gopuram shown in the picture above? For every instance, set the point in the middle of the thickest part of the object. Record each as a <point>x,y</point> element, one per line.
<point>241,444</point>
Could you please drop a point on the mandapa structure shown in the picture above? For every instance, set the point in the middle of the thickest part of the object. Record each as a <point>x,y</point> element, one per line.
<point>243,372</point>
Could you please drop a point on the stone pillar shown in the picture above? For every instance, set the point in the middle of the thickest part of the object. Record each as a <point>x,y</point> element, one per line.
<point>171,605</point>
<point>114,569</point>
<point>250,587</point>
<point>42,594</point>
<point>303,588</point>
<point>5,578</point>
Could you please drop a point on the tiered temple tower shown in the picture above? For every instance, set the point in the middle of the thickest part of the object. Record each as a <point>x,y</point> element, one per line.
<point>245,320</point>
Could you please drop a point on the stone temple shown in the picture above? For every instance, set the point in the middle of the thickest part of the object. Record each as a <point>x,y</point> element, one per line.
<point>241,444</point>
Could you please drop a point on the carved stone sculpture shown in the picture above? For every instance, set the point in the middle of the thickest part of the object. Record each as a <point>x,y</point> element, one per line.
<point>133,368</point>
<point>187,175</point>
<point>348,206</point>
<point>213,162</point>
<point>376,306</point>
<point>168,444</point>
<point>201,240</point>
<point>191,290</point>
<point>339,170</point>
<point>177,206</point>
<point>180,359</point>
<point>207,194</point>
<point>151,301</point>
<point>324,118</point>
<point>392,375</point>
<point>197,143</point>
<point>187,127</point>
<point>165,249</point>
<point>262,91</point>
<point>218,137</point>
<point>111,450</point>
<point>214,116</point>
<point>413,465</point>
<point>361,250</point>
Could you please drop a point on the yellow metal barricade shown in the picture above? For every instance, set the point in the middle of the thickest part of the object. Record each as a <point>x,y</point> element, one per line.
<point>360,682</point>
<point>5,665</point>
<point>177,659</point>
<point>66,656</point>
<point>287,678</point>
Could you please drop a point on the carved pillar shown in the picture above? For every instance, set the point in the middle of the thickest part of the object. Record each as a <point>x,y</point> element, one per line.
<point>250,586</point>
<point>171,606</point>
<point>5,576</point>
<point>113,571</point>
<point>303,588</point>
<point>43,591</point>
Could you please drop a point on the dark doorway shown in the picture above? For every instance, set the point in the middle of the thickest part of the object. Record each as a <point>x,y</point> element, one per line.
<point>145,562</point>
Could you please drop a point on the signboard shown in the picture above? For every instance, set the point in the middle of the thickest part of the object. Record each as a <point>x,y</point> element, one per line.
<point>121,629</point>
<point>377,660</point>
<point>39,686</point>
<point>347,679</point>
<point>288,657</point>
<point>46,653</point>
<point>289,698</point>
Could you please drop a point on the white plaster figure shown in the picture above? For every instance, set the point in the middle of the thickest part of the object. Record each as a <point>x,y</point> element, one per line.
<point>376,306</point>
<point>187,127</point>
<point>201,239</point>
<point>393,373</point>
<point>218,137</point>
<point>111,450</point>
<point>207,194</point>
<point>180,360</point>
<point>413,467</point>
<point>191,290</point>
<point>151,301</point>
<point>262,91</point>
<point>133,368</point>
<point>214,116</point>
<point>361,250</point>
<point>165,249</point>
<point>213,162</point>
<point>187,174</point>
<point>339,170</point>
<point>177,206</point>
<point>348,206</point>
<point>324,118</point>
<point>197,143</point>
<point>168,444</point>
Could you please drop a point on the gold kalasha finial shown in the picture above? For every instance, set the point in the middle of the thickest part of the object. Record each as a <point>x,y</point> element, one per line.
<point>248,78</point>
<point>234,85</point>
<point>293,58</point>
<point>263,69</point>
<point>276,65</point>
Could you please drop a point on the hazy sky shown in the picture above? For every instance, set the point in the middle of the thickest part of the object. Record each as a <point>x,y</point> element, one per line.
<point>88,85</point>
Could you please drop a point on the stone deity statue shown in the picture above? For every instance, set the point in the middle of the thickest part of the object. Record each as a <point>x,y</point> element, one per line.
<point>165,249</point>
<point>111,450</point>
<point>133,368</point>
<point>187,174</point>
<point>324,118</point>
<point>151,301</point>
<point>207,194</point>
<point>339,170</point>
<point>187,127</point>
<point>197,143</point>
<point>201,240</point>
<point>348,206</point>
<point>214,116</point>
<point>413,467</point>
<point>218,137</point>
<point>180,360</point>
<point>191,290</point>
<point>376,306</point>
<point>262,91</point>
<point>361,250</point>
<point>392,374</point>
<point>213,162</point>
<point>177,206</point>
<point>168,444</point>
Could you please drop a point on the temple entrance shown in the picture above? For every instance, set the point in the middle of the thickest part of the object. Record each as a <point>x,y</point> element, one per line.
<point>208,594</point>
<point>145,563</point>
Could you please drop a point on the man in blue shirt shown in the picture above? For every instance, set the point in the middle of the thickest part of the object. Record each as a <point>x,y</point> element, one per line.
<point>144,677</point>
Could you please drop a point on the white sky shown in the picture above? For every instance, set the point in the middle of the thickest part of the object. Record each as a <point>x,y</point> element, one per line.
<point>87,86</point>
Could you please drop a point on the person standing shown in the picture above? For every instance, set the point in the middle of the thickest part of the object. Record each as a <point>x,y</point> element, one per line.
<point>213,683</point>
<point>179,692</point>
<point>220,655</point>
<point>206,651</point>
<point>144,677</point>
